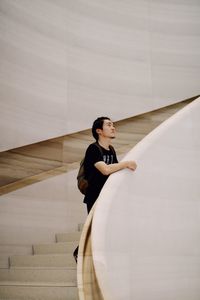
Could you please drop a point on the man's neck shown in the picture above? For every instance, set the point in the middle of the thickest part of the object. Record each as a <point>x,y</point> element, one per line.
<point>105,143</point>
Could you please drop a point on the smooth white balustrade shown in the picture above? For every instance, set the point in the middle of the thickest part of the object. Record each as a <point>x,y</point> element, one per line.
<point>146,224</point>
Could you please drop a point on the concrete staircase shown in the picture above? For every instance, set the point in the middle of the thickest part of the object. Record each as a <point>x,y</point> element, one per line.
<point>50,273</point>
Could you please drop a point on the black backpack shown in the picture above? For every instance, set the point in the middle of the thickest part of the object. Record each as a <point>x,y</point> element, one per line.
<point>82,181</point>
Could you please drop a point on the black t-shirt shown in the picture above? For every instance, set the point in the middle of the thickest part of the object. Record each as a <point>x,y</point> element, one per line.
<point>95,177</point>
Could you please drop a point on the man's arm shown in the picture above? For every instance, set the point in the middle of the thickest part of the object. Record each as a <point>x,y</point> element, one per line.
<point>112,168</point>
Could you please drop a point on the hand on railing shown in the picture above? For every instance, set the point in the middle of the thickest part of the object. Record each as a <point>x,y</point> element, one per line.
<point>131,164</point>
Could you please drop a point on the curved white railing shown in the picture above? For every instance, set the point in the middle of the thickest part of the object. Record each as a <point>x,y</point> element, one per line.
<point>88,287</point>
<point>145,227</point>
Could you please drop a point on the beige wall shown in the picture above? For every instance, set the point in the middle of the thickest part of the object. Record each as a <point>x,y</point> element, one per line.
<point>63,63</point>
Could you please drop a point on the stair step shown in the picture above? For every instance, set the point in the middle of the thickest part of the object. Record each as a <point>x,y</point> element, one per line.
<point>57,275</point>
<point>38,293</point>
<point>64,247</point>
<point>39,284</point>
<point>68,237</point>
<point>49,260</point>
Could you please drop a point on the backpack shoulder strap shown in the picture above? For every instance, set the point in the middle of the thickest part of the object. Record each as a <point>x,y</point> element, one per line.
<point>98,146</point>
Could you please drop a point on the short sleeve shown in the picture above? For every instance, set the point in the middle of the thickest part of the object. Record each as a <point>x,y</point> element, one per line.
<point>93,155</point>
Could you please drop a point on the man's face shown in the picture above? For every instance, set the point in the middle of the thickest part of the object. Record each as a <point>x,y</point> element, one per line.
<point>108,129</point>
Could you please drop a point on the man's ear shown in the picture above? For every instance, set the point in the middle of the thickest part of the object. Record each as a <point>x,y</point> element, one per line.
<point>98,131</point>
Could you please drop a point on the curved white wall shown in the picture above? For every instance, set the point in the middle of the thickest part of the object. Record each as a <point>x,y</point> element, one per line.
<point>146,224</point>
<point>63,63</point>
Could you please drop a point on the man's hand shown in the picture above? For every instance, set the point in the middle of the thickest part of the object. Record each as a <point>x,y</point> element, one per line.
<point>131,164</point>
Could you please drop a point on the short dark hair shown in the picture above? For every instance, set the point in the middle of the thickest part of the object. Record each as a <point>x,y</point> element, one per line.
<point>98,124</point>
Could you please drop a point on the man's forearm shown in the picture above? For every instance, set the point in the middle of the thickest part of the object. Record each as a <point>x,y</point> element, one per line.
<point>112,168</point>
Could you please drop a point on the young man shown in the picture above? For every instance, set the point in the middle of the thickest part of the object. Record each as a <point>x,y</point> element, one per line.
<point>100,163</point>
<point>98,167</point>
